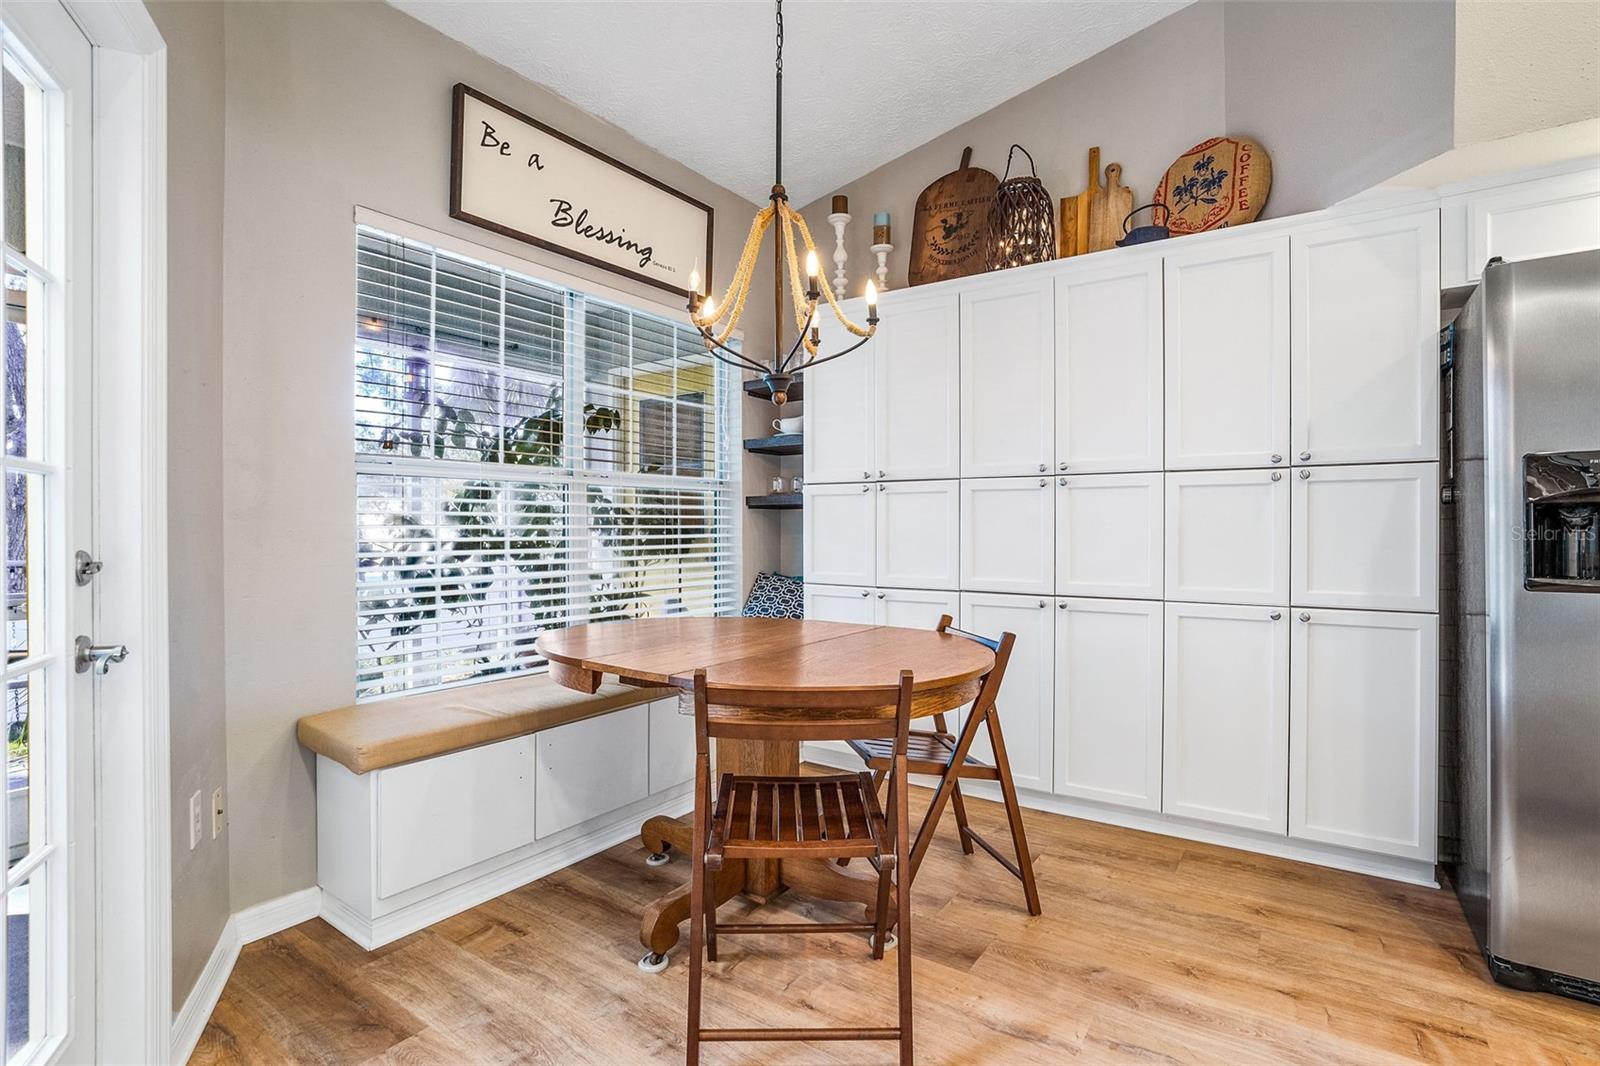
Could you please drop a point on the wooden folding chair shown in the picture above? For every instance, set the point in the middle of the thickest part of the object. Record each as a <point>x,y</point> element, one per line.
<point>767,817</point>
<point>941,754</point>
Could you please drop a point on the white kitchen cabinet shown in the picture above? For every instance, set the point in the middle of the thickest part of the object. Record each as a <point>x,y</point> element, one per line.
<point>841,538</point>
<point>1227,355</point>
<point>589,767</point>
<point>1109,535</point>
<point>1363,729</point>
<point>1227,536</point>
<point>1225,740</point>
<point>840,412</point>
<point>1365,349</point>
<point>1007,378</point>
<point>840,603</point>
<point>1366,536</point>
<point>1008,534</point>
<point>1025,700</point>
<point>918,534</point>
<point>1549,215</point>
<point>671,743</point>
<point>916,353</point>
<point>915,608</point>
<point>1108,666</point>
<point>1109,368</point>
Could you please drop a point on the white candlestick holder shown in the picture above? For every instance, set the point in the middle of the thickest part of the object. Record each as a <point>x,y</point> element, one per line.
<point>882,252</point>
<point>839,220</point>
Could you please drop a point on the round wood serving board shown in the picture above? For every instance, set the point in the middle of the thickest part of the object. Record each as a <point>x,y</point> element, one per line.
<point>950,227</point>
<point>1220,182</point>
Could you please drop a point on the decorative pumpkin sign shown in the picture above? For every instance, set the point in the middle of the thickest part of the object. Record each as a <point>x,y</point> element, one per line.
<point>1220,182</point>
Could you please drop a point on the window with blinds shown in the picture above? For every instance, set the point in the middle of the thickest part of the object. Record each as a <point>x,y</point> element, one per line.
<point>528,456</point>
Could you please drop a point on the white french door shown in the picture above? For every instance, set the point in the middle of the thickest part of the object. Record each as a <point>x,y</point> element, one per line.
<point>47,942</point>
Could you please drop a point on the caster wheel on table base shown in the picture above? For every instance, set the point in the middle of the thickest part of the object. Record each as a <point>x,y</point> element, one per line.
<point>889,941</point>
<point>658,858</point>
<point>653,963</point>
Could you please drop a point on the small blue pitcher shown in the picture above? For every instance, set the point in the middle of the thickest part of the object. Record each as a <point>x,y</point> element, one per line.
<point>1145,234</point>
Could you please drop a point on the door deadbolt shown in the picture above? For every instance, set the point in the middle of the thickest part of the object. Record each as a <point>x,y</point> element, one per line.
<point>85,567</point>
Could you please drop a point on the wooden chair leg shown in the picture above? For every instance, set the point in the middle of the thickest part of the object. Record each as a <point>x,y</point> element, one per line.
<point>960,809</point>
<point>881,916</point>
<point>1019,837</point>
<point>902,902</point>
<point>941,795</point>
<point>710,892</point>
<point>697,907</point>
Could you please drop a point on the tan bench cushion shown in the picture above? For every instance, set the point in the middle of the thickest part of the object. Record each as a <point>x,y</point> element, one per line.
<point>370,736</point>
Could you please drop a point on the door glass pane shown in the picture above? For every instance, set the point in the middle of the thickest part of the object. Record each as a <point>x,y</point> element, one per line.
<point>23,515</point>
<point>24,751</point>
<point>25,962</point>
<point>22,100</point>
<point>21,293</point>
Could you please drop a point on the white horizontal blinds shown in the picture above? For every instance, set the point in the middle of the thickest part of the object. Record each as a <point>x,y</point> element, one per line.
<point>527,457</point>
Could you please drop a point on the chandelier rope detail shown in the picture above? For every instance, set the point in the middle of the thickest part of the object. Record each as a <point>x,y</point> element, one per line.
<point>716,322</point>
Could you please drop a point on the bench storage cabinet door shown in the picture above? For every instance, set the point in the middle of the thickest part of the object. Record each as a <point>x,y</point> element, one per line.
<point>917,355</point>
<point>671,745</point>
<point>1108,369</point>
<point>1365,368</point>
<point>839,411</point>
<point>431,814</point>
<point>1225,745</point>
<point>1227,536</point>
<point>1108,535</point>
<point>918,534</point>
<point>1367,536</point>
<point>589,768</point>
<point>1026,692</point>
<point>1108,701</point>
<point>1363,730</point>
<point>1227,362</point>
<point>1007,379</point>
<point>1008,534</point>
<point>840,603</point>
<point>840,525</point>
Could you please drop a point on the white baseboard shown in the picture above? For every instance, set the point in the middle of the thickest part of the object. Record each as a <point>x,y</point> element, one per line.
<point>375,932</point>
<point>245,927</point>
<point>1412,871</point>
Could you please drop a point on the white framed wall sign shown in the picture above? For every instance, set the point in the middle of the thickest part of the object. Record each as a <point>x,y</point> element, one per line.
<point>516,176</point>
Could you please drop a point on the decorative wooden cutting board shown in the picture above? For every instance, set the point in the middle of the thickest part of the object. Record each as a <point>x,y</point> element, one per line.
<point>1220,182</point>
<point>950,227</point>
<point>1073,236</point>
<point>1108,206</point>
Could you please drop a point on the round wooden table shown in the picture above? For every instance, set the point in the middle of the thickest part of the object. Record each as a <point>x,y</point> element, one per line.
<point>764,654</point>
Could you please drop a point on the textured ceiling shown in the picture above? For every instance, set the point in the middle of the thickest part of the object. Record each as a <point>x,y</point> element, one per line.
<point>864,81</point>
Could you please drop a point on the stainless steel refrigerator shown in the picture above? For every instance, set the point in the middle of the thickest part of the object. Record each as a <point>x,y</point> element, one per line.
<point>1526,487</point>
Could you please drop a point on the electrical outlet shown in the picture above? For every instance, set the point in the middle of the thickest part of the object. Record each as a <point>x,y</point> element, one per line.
<point>195,807</point>
<point>216,812</point>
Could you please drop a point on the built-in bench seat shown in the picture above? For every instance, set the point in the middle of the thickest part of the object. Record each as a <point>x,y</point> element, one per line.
<point>430,804</point>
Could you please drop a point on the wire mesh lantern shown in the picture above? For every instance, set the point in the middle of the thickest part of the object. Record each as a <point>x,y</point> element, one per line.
<point>1022,224</point>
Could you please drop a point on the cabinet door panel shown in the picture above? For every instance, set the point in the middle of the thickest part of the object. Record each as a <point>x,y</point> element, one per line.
<point>1366,347</point>
<point>1227,361</point>
<point>1225,747</point>
<point>840,603</point>
<point>1007,535</point>
<point>1108,701</point>
<point>1367,536</point>
<point>916,609</point>
<point>919,534</point>
<point>1227,537</point>
<point>1007,379</point>
<point>839,411</point>
<point>592,767</point>
<point>1026,719</point>
<point>1531,220</point>
<point>1363,731</point>
<point>840,527</point>
<point>917,355</point>
<point>671,743</point>
<point>1108,535</point>
<point>1109,370</point>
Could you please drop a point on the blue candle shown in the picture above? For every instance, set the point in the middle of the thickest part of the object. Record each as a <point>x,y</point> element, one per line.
<point>881,218</point>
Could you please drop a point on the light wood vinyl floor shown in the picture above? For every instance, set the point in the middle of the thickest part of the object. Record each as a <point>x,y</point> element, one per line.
<point>1150,949</point>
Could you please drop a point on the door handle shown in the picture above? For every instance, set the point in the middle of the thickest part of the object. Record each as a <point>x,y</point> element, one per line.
<point>98,657</point>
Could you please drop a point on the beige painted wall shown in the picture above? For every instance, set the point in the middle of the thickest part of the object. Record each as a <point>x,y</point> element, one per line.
<point>331,105</point>
<point>200,907</point>
<point>1524,66</point>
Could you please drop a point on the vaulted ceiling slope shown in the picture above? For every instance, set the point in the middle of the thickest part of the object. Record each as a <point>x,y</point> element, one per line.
<point>864,81</point>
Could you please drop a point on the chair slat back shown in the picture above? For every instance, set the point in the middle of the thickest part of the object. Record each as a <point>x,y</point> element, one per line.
<point>842,714</point>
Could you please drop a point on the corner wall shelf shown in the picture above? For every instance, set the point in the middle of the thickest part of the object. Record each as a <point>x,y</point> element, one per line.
<point>777,501</point>
<point>777,444</point>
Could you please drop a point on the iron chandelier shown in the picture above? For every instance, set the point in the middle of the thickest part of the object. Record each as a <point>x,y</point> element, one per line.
<point>716,322</point>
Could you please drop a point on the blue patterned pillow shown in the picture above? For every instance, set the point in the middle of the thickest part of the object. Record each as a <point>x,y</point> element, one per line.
<point>776,596</point>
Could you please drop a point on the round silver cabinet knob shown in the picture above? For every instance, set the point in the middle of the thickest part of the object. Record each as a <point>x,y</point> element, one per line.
<point>1043,467</point>
<point>883,488</point>
<point>1275,615</point>
<point>866,488</point>
<point>881,595</point>
<point>1277,458</point>
<point>1305,616</point>
<point>1305,475</point>
<point>1061,466</point>
<point>1044,603</point>
<point>865,474</point>
<point>866,592</point>
<point>1277,475</point>
<point>1061,481</point>
<point>1304,456</point>
<point>1062,605</point>
<point>881,474</point>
